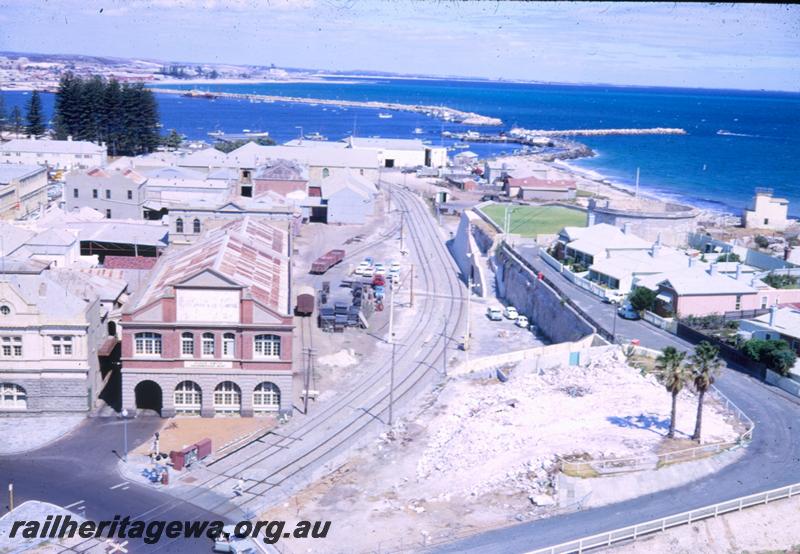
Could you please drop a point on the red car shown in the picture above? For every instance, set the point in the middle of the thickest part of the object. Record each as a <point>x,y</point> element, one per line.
<point>379,281</point>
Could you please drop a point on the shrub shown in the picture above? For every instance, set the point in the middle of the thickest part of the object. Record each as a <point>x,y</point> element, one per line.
<point>775,354</point>
<point>729,257</point>
<point>642,298</point>
<point>761,241</point>
<point>778,281</point>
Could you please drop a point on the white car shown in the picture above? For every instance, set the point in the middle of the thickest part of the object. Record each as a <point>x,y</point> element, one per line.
<point>361,267</point>
<point>368,272</point>
<point>522,321</point>
<point>228,542</point>
<point>494,313</point>
<point>380,269</point>
<point>394,266</point>
<point>510,312</point>
<point>614,297</point>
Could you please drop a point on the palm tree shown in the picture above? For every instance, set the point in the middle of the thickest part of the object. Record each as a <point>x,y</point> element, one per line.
<point>705,364</point>
<point>675,376</point>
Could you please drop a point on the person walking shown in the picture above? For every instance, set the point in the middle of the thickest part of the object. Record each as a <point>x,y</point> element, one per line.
<point>238,488</point>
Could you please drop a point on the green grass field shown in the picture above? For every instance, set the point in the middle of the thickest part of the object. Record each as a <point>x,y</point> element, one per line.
<point>530,221</point>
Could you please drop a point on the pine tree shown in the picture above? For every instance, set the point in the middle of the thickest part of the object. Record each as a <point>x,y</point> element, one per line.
<point>67,107</point>
<point>112,106</point>
<point>3,121</point>
<point>16,120</point>
<point>34,116</point>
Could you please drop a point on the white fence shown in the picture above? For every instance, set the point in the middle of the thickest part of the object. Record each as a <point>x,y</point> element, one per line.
<point>634,532</point>
<point>582,282</point>
<point>551,261</point>
<point>668,324</point>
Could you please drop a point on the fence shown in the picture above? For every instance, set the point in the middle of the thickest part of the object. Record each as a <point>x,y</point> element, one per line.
<point>551,261</point>
<point>668,324</point>
<point>634,532</point>
<point>727,352</point>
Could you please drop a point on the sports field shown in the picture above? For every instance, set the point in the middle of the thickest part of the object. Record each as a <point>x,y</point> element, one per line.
<point>530,221</point>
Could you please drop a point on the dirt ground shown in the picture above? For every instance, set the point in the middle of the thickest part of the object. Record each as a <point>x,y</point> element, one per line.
<point>179,432</point>
<point>769,528</point>
<point>481,454</point>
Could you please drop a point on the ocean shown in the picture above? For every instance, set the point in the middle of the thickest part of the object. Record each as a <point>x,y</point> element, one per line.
<point>736,140</point>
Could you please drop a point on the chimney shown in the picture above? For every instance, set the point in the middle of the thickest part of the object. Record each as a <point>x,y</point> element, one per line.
<point>772,311</point>
<point>69,138</point>
<point>738,271</point>
<point>713,269</point>
<point>42,290</point>
<point>590,218</point>
<point>626,228</point>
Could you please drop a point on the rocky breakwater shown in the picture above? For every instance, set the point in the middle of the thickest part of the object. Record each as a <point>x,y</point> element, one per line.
<point>532,133</point>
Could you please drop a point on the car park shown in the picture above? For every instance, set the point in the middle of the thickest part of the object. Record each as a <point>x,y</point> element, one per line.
<point>510,312</point>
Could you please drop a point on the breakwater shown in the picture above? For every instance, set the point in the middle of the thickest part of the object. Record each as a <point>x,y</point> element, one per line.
<point>441,112</point>
<point>532,133</point>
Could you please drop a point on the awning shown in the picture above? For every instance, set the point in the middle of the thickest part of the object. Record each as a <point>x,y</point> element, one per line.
<point>664,297</point>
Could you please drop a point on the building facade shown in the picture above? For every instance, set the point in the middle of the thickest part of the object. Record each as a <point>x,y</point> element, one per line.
<point>767,212</point>
<point>212,333</point>
<point>55,154</point>
<point>118,194</point>
<point>23,189</point>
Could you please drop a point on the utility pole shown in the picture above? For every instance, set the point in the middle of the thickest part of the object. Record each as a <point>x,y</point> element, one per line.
<point>411,287</point>
<point>469,303</point>
<point>391,338</point>
<point>444,347</point>
<point>125,433</point>
<point>10,496</point>
<point>306,382</point>
<point>614,327</point>
<point>402,224</point>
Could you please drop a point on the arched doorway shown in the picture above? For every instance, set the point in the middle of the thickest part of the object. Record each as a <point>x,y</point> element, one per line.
<point>149,396</point>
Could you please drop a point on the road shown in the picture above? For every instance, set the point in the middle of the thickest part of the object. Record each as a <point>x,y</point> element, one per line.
<point>770,461</point>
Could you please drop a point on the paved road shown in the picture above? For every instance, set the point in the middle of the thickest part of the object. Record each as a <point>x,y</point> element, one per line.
<point>771,460</point>
<point>79,471</point>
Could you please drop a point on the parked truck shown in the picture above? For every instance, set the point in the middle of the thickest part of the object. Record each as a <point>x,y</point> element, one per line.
<point>327,261</point>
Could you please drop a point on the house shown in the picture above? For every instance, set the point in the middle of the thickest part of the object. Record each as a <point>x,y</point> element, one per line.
<point>388,152</point>
<point>211,333</point>
<point>767,212</point>
<point>23,189</point>
<point>55,154</point>
<point>280,176</point>
<point>778,324</point>
<point>465,159</point>
<point>118,194</point>
<point>584,244</point>
<point>53,337</point>
<point>347,198</point>
<point>535,188</point>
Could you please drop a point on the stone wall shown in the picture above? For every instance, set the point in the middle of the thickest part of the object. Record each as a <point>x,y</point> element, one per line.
<point>51,394</point>
<point>535,299</point>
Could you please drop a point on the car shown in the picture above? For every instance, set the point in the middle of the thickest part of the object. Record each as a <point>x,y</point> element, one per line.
<point>361,267</point>
<point>614,297</point>
<point>228,542</point>
<point>394,266</point>
<point>626,311</point>
<point>368,272</point>
<point>378,280</point>
<point>494,313</point>
<point>522,321</point>
<point>380,269</point>
<point>510,312</point>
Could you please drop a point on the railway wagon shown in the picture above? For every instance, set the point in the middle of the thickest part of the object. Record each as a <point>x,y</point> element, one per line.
<point>306,300</point>
<point>327,261</point>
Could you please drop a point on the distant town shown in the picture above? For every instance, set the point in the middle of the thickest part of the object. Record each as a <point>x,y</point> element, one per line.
<point>439,347</point>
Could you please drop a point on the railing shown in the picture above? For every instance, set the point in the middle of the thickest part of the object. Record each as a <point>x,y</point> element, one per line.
<point>633,532</point>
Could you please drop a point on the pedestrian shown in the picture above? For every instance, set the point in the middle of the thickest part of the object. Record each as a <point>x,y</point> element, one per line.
<point>238,488</point>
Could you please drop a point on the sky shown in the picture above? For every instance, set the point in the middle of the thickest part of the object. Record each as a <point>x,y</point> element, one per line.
<point>740,46</point>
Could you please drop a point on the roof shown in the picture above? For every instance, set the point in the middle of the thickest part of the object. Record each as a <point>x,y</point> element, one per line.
<point>13,237</point>
<point>786,321</point>
<point>175,172</point>
<point>697,281</point>
<point>121,232</point>
<point>254,155</point>
<point>282,170</point>
<point>377,143</point>
<point>596,239</point>
<point>541,184</point>
<point>39,288</point>
<point>86,284</point>
<point>52,146</point>
<point>129,262</point>
<point>13,172</point>
<point>347,180</point>
<point>224,174</point>
<point>626,263</point>
<point>249,252</point>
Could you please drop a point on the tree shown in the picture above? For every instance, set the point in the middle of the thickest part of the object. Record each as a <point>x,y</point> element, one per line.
<point>775,354</point>
<point>675,376</point>
<point>729,257</point>
<point>3,121</point>
<point>642,298</point>
<point>16,120</point>
<point>705,364</point>
<point>34,116</point>
<point>172,140</point>
<point>761,241</point>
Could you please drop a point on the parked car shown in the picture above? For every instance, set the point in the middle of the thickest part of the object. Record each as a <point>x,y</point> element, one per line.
<point>380,269</point>
<point>614,297</point>
<point>626,311</point>
<point>495,313</point>
<point>394,266</point>
<point>522,321</point>
<point>367,271</point>
<point>510,312</point>
<point>361,267</point>
<point>228,542</point>
<point>378,280</point>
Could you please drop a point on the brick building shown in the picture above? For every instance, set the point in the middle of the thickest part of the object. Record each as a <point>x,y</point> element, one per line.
<point>212,333</point>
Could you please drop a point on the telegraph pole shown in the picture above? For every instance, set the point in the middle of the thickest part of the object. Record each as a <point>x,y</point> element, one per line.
<point>402,223</point>
<point>11,496</point>
<point>306,381</point>
<point>444,347</point>
<point>391,338</point>
<point>469,302</point>
<point>411,287</point>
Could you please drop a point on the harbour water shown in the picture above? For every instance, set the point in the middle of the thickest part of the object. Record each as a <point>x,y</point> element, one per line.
<point>735,140</point>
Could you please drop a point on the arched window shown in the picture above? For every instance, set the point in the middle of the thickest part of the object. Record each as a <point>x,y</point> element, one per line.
<point>187,344</point>
<point>208,344</point>
<point>325,172</point>
<point>227,397</point>
<point>266,397</point>
<point>229,345</point>
<point>188,397</point>
<point>179,225</point>
<point>13,397</point>
<point>267,346</point>
<point>147,343</point>
<point>196,226</point>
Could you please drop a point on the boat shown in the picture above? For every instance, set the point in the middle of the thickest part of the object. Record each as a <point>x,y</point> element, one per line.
<point>199,94</point>
<point>385,115</point>
<point>418,131</point>
<point>255,134</point>
<point>315,136</point>
<point>216,133</point>
<point>461,145</point>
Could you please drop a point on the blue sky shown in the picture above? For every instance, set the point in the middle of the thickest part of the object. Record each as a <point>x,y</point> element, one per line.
<point>685,45</point>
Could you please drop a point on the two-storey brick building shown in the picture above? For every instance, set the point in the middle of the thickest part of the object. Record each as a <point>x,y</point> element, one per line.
<point>212,333</point>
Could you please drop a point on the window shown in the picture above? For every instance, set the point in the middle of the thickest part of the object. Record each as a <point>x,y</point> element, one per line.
<point>11,347</point>
<point>130,195</point>
<point>94,193</point>
<point>196,226</point>
<point>188,397</point>
<point>179,225</point>
<point>763,302</point>
<point>187,344</point>
<point>767,336</point>
<point>13,397</point>
<point>62,345</point>
<point>268,346</point>
<point>147,343</point>
<point>738,305</point>
<point>266,398</point>
<point>5,310</point>
<point>108,214</point>
<point>75,193</point>
<point>229,345</point>
<point>325,172</point>
<point>208,344</point>
<point>766,221</point>
<point>108,193</point>
<point>361,171</point>
<point>227,397</point>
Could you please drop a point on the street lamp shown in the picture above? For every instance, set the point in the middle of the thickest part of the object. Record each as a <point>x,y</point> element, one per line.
<point>125,434</point>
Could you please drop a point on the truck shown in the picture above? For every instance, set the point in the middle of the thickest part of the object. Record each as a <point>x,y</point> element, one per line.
<point>327,261</point>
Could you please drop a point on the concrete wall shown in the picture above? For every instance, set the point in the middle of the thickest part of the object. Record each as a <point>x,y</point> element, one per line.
<point>535,299</point>
<point>50,392</point>
<point>674,227</point>
<point>347,206</point>
<point>467,254</point>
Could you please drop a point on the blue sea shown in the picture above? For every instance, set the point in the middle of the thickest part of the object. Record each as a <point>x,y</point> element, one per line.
<point>736,140</point>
